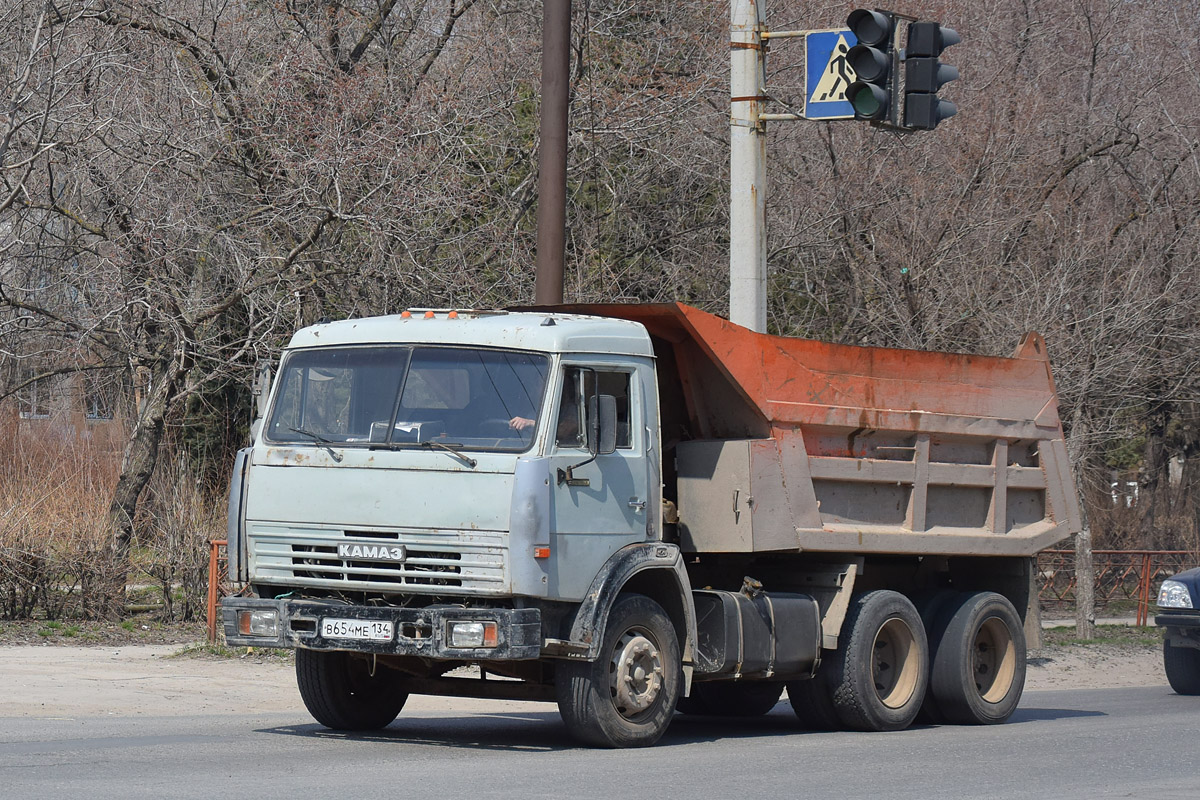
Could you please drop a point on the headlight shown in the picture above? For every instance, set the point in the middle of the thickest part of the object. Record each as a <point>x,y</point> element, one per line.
<point>471,633</point>
<point>258,623</point>
<point>1174,594</point>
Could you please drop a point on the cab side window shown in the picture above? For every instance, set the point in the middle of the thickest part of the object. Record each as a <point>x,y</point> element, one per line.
<point>580,384</point>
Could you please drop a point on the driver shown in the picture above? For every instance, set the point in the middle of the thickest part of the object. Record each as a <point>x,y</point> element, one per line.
<point>568,418</point>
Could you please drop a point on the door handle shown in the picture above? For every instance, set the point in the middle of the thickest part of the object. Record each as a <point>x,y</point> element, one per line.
<point>637,505</point>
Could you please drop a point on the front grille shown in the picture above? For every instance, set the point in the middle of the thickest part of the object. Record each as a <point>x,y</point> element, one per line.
<point>452,562</point>
<point>420,567</point>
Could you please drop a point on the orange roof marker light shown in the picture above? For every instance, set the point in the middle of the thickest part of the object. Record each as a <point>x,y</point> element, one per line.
<point>452,315</point>
<point>429,315</point>
<point>405,314</point>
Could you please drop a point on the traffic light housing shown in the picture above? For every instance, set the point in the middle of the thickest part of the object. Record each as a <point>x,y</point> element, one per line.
<point>925,74</point>
<point>872,94</point>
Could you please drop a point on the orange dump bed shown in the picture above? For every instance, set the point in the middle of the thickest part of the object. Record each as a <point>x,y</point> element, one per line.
<point>861,449</point>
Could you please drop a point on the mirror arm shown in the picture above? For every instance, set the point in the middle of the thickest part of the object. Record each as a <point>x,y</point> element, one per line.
<point>567,475</point>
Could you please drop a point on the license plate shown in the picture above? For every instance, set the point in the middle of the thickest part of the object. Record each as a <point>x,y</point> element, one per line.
<point>371,630</point>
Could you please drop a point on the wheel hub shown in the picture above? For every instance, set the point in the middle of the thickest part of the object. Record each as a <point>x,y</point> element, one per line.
<point>637,673</point>
<point>894,664</point>
<point>993,660</point>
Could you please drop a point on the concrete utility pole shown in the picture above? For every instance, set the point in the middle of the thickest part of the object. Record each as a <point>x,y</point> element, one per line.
<point>747,166</point>
<point>552,155</point>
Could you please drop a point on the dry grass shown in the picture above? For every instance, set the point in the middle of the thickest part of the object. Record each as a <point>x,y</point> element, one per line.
<point>54,539</point>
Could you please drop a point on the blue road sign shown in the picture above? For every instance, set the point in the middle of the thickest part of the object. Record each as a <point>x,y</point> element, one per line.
<point>828,74</point>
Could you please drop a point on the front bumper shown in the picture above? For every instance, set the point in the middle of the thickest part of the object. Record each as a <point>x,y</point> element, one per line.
<point>417,631</point>
<point>1183,619</point>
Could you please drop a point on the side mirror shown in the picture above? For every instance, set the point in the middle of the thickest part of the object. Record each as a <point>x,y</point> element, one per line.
<point>602,424</point>
<point>261,389</point>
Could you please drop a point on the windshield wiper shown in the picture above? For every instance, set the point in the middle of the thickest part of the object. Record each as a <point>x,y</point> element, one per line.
<point>466,459</point>
<point>321,442</point>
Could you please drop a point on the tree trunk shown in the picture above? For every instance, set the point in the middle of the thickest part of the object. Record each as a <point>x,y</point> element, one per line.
<point>1085,571</point>
<point>137,466</point>
<point>1085,586</point>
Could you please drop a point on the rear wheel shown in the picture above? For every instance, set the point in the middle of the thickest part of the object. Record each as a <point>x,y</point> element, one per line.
<point>878,674</point>
<point>627,696</point>
<point>1182,665</point>
<point>346,692</point>
<point>730,699</point>
<point>812,702</point>
<point>935,607</point>
<point>978,671</point>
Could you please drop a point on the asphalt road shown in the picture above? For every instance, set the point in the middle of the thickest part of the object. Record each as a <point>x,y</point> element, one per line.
<point>1060,744</point>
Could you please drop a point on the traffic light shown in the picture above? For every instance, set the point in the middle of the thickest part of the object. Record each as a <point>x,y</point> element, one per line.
<point>925,74</point>
<point>871,94</point>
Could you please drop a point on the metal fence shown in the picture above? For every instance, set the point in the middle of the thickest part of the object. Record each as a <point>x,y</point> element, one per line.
<point>218,582</point>
<point>1123,577</point>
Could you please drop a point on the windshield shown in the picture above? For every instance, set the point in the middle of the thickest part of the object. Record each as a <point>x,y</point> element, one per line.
<point>389,397</point>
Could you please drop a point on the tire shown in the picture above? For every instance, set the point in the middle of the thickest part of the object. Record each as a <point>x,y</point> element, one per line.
<point>1182,665</point>
<point>341,693</point>
<point>812,702</point>
<point>978,671</point>
<point>878,673</point>
<point>627,696</point>
<point>935,607</point>
<point>731,699</point>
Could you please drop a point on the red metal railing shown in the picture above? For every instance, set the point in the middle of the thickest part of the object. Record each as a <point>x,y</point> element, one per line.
<point>218,574</point>
<point>1133,575</point>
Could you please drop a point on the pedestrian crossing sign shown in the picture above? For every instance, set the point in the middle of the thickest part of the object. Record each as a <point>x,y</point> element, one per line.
<point>828,74</point>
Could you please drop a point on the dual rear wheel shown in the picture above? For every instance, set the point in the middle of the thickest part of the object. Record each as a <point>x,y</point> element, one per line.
<point>961,661</point>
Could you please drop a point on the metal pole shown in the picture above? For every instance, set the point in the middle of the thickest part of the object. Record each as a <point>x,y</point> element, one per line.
<point>747,167</point>
<point>1143,611</point>
<point>214,549</point>
<point>552,155</point>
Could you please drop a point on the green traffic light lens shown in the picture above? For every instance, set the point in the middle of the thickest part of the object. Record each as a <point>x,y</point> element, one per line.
<point>867,100</point>
<point>865,105</point>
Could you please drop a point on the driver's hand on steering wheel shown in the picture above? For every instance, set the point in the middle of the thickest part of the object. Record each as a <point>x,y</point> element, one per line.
<point>520,423</point>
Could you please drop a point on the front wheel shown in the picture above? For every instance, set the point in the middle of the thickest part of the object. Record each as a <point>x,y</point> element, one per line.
<point>346,692</point>
<point>627,696</point>
<point>1182,665</point>
<point>812,701</point>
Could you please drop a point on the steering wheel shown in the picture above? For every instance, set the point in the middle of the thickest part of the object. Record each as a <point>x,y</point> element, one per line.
<point>499,428</point>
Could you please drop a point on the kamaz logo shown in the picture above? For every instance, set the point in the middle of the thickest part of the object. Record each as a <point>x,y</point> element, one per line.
<point>371,552</point>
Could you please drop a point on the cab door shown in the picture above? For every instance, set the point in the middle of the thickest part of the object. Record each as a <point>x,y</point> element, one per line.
<point>599,504</point>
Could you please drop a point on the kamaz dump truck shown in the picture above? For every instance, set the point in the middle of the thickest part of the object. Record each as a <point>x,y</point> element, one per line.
<point>638,510</point>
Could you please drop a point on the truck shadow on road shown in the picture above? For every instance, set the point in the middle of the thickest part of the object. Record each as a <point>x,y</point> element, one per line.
<point>1050,714</point>
<point>515,732</point>
<point>544,731</point>
<point>537,731</point>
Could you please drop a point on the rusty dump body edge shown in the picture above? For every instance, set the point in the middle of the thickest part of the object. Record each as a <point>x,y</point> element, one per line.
<point>841,448</point>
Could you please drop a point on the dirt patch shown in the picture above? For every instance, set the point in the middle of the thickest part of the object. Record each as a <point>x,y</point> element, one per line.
<point>68,633</point>
<point>1095,666</point>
